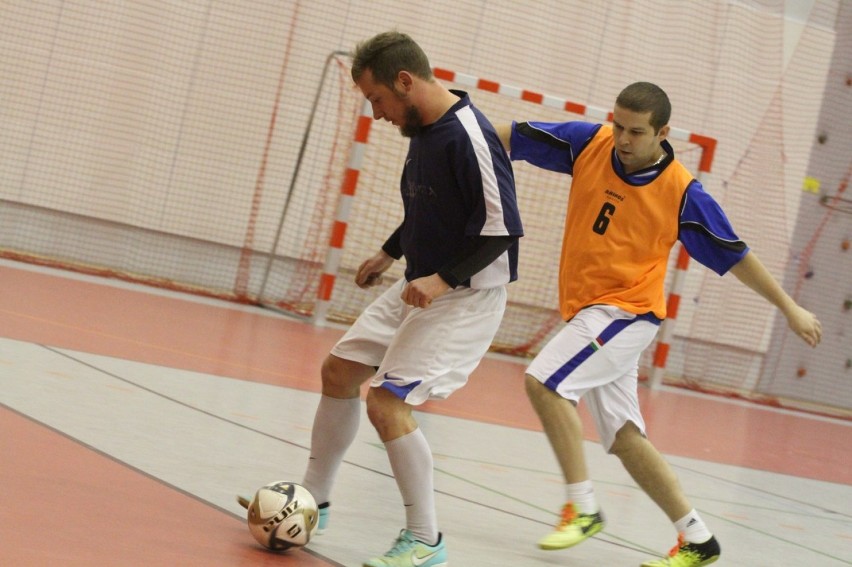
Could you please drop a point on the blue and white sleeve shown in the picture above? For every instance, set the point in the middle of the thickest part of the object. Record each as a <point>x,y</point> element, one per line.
<point>707,233</point>
<point>551,145</point>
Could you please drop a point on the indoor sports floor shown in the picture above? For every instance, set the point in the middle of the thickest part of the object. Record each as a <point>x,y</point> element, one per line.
<point>130,417</point>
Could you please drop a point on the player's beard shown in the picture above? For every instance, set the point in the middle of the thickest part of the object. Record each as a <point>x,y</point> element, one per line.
<point>413,122</point>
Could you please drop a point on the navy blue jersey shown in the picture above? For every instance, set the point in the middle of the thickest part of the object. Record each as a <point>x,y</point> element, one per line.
<point>457,183</point>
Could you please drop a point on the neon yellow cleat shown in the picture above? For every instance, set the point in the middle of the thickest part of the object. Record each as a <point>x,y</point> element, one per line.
<point>572,529</point>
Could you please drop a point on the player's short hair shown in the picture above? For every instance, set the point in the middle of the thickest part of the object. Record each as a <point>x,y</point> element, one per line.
<point>388,53</point>
<point>647,97</point>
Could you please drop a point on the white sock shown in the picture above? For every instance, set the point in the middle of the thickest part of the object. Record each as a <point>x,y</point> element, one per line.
<point>582,494</point>
<point>335,426</point>
<point>693,528</point>
<point>411,461</point>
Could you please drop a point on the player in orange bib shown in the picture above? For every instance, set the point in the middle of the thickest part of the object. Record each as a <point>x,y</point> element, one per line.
<point>629,203</point>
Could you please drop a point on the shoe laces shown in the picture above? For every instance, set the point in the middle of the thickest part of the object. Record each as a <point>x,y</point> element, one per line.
<point>569,514</point>
<point>680,542</point>
<point>403,543</point>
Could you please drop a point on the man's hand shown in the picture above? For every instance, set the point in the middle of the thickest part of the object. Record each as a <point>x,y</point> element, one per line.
<point>805,324</point>
<point>370,271</point>
<point>421,292</point>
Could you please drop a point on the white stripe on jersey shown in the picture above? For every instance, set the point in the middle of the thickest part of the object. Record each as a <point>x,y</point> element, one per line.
<point>498,272</point>
<point>494,223</point>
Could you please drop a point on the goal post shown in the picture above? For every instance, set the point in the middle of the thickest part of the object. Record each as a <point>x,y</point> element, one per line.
<point>341,217</point>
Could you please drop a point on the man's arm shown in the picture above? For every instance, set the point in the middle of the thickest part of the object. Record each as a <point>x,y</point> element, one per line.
<point>504,132</point>
<point>751,271</point>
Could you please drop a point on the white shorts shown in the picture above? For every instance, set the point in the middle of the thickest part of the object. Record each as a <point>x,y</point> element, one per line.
<point>424,353</point>
<point>597,355</point>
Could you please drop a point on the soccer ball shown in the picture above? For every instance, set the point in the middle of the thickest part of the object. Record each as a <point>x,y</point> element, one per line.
<point>283,515</point>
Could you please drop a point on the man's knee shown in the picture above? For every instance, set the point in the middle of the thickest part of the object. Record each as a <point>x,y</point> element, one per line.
<point>626,440</point>
<point>342,378</point>
<point>390,415</point>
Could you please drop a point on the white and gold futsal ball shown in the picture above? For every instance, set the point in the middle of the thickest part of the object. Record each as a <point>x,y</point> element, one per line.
<point>283,515</point>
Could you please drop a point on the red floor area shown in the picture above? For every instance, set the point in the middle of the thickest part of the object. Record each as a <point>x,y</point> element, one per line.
<point>90,507</point>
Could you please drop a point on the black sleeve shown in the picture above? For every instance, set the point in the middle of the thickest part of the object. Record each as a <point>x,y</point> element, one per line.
<point>474,254</point>
<point>392,246</point>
